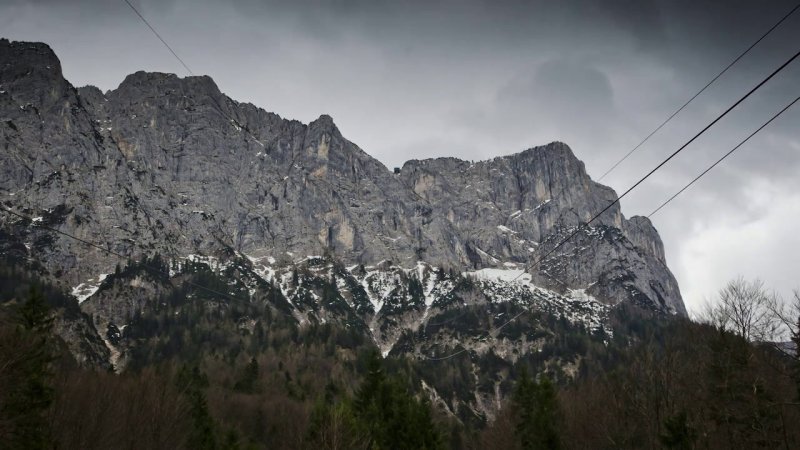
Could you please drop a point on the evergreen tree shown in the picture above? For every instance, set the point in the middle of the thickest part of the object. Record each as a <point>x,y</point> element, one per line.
<point>389,416</point>
<point>34,315</point>
<point>249,379</point>
<point>537,409</point>
<point>677,433</point>
<point>192,381</point>
<point>547,418</point>
<point>525,403</point>
<point>28,390</point>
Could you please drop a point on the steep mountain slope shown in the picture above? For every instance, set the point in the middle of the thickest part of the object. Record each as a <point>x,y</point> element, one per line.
<point>171,165</point>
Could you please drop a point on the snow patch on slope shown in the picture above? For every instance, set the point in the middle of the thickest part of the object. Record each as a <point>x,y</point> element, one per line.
<point>505,275</point>
<point>88,288</point>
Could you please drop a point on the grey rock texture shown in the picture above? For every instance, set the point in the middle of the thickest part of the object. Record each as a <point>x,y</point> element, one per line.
<point>171,165</point>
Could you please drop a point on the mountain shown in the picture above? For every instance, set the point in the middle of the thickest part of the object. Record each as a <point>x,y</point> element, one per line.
<point>172,171</point>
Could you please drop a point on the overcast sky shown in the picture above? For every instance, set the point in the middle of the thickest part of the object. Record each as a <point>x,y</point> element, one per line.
<point>476,79</point>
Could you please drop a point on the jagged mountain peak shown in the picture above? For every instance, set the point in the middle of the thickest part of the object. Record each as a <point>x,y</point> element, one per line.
<point>35,76</point>
<point>550,149</point>
<point>324,122</point>
<point>29,55</point>
<point>166,84</point>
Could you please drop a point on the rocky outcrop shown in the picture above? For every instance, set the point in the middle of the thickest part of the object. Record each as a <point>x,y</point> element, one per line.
<point>171,165</point>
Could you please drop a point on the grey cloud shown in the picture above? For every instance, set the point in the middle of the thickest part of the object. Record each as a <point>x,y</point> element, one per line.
<point>566,92</point>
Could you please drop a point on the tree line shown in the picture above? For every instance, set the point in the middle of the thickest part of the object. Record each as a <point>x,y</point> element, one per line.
<point>200,380</point>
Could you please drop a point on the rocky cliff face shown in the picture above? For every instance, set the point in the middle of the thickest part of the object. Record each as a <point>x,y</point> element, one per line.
<point>171,165</point>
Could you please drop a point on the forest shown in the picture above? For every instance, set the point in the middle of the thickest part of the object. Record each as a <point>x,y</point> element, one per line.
<point>203,380</point>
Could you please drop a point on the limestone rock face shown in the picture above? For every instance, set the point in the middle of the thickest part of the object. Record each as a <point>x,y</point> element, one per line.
<point>173,166</point>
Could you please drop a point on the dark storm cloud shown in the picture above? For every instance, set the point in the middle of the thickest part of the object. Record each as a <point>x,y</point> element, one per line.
<point>481,78</point>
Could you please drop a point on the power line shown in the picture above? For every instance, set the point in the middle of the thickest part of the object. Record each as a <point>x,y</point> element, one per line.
<point>160,38</point>
<point>446,321</point>
<point>662,163</point>
<point>724,156</point>
<point>680,149</point>
<point>607,172</point>
<point>578,229</point>
<point>218,106</point>
<point>442,358</point>
<point>699,92</point>
<point>119,255</point>
<point>492,331</point>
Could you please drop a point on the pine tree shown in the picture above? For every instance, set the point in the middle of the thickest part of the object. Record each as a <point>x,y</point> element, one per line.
<point>547,414</point>
<point>677,433</point>
<point>249,378</point>
<point>525,403</point>
<point>369,397</point>
<point>389,415</point>
<point>34,315</point>
<point>192,381</point>
<point>537,409</point>
<point>29,391</point>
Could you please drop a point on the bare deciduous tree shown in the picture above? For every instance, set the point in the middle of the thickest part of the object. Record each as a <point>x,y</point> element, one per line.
<point>786,315</point>
<point>746,308</point>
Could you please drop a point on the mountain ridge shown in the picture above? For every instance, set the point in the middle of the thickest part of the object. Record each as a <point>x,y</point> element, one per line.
<point>164,155</point>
